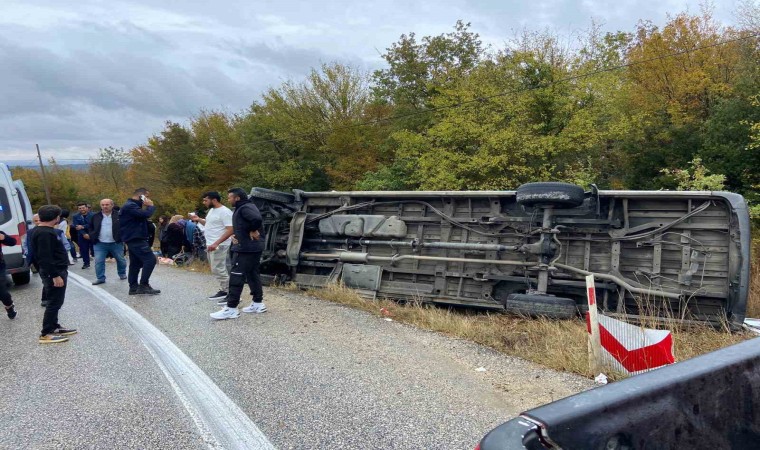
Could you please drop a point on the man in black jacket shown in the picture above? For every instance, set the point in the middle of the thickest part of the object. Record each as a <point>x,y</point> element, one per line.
<point>133,226</point>
<point>53,262</point>
<point>5,296</point>
<point>247,245</point>
<point>105,237</point>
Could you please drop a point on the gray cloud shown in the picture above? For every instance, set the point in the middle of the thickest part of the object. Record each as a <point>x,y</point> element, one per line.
<point>78,76</point>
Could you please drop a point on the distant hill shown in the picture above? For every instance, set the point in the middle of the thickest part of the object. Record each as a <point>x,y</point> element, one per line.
<point>33,164</point>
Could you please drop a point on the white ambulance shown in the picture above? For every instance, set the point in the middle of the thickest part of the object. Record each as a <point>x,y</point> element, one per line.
<point>15,220</point>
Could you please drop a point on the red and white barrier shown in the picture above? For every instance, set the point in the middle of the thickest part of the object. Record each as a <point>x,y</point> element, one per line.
<point>624,347</point>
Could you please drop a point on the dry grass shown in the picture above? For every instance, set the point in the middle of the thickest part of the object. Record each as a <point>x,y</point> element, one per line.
<point>196,266</point>
<point>559,345</point>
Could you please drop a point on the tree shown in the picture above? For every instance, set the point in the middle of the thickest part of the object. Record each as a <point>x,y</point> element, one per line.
<point>696,179</point>
<point>219,145</point>
<point>314,132</point>
<point>417,70</point>
<point>107,174</point>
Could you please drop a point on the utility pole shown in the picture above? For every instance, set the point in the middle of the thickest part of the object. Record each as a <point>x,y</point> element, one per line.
<point>44,175</point>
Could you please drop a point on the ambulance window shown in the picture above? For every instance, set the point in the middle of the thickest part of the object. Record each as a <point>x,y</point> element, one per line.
<point>5,207</point>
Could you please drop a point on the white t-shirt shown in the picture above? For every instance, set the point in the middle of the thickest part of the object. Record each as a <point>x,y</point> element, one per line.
<point>217,221</point>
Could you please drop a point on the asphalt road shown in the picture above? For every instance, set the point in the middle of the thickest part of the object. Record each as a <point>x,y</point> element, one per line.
<point>157,372</point>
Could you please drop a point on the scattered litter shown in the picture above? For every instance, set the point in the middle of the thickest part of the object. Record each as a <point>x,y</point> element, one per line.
<point>480,369</point>
<point>388,319</point>
<point>752,325</point>
<point>385,312</point>
<point>601,379</point>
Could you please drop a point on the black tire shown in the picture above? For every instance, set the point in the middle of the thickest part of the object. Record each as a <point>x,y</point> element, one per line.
<point>272,196</point>
<point>559,195</point>
<point>537,305</point>
<point>21,278</point>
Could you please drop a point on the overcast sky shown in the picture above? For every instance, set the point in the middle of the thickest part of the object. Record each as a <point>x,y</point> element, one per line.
<point>78,76</point>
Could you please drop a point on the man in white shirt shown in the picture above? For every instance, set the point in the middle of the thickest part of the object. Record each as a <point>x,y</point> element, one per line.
<point>103,232</point>
<point>218,230</point>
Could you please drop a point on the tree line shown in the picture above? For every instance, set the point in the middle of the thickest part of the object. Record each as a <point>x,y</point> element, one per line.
<point>671,107</point>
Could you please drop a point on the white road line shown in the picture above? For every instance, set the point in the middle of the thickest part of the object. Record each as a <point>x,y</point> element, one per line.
<point>222,424</point>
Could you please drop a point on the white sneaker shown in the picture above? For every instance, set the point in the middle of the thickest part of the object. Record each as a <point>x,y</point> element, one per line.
<point>256,308</point>
<point>226,313</point>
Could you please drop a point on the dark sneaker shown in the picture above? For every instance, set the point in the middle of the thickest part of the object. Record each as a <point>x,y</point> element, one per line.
<point>132,289</point>
<point>11,311</point>
<point>122,277</point>
<point>64,331</point>
<point>86,266</point>
<point>97,282</point>
<point>51,339</point>
<point>222,301</point>
<point>218,296</point>
<point>145,289</point>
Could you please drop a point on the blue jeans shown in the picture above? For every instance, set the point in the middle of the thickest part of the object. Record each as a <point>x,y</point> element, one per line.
<point>116,249</point>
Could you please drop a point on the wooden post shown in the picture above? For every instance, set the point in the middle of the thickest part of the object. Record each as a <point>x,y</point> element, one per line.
<point>595,340</point>
<point>44,176</point>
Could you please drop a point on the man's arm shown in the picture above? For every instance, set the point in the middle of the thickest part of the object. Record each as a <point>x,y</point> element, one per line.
<point>139,212</point>
<point>6,240</point>
<point>228,231</point>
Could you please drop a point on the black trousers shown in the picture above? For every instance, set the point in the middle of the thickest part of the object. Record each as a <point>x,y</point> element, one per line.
<point>55,297</point>
<point>5,296</point>
<point>245,268</point>
<point>140,257</point>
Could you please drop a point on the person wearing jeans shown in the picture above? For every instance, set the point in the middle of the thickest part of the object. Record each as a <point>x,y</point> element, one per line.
<point>133,229</point>
<point>106,238</point>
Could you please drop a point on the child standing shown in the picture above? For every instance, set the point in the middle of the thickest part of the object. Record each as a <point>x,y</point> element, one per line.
<point>52,260</point>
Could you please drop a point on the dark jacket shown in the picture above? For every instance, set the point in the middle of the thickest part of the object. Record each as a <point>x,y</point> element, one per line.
<point>49,253</point>
<point>8,242</point>
<point>85,220</point>
<point>97,221</point>
<point>174,236</point>
<point>151,233</point>
<point>245,219</point>
<point>133,220</point>
<point>30,256</point>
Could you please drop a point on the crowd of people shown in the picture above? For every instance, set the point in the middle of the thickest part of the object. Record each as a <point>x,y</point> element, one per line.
<point>231,243</point>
